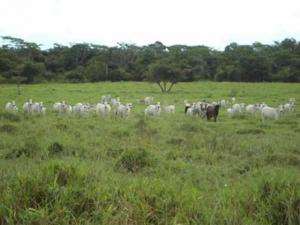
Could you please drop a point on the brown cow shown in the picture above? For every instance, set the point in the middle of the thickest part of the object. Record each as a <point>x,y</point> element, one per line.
<point>212,111</point>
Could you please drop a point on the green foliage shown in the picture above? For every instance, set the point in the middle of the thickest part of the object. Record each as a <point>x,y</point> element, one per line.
<point>76,76</point>
<point>83,62</point>
<point>165,75</point>
<point>96,70</point>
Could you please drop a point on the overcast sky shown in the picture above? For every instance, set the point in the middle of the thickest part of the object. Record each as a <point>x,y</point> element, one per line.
<point>214,23</point>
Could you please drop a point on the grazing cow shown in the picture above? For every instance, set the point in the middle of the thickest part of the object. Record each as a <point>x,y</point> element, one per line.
<point>237,108</point>
<point>115,102</point>
<point>123,110</point>
<point>243,106</point>
<point>231,112</point>
<point>169,109</point>
<point>212,112</point>
<point>232,100</point>
<point>80,109</point>
<point>252,109</point>
<point>148,100</point>
<point>103,109</point>
<point>153,110</point>
<point>105,98</point>
<point>38,108</point>
<point>290,106</point>
<point>196,109</point>
<point>223,103</point>
<point>189,109</point>
<point>62,107</point>
<point>27,106</point>
<point>271,113</point>
<point>187,105</point>
<point>57,107</point>
<point>11,107</point>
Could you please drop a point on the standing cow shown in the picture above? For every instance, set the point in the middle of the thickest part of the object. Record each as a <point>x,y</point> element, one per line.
<point>212,111</point>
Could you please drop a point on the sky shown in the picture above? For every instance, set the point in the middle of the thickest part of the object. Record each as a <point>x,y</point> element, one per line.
<point>215,23</point>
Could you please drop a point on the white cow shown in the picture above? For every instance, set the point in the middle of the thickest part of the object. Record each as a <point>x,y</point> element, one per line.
<point>252,109</point>
<point>169,109</point>
<point>11,107</point>
<point>123,110</point>
<point>153,110</point>
<point>196,109</point>
<point>38,108</point>
<point>148,100</point>
<point>223,103</point>
<point>288,107</point>
<point>271,113</point>
<point>62,107</point>
<point>237,108</point>
<point>243,106</point>
<point>103,109</point>
<point>105,98</point>
<point>191,110</point>
<point>231,112</point>
<point>232,100</point>
<point>115,102</point>
<point>80,109</point>
<point>27,106</point>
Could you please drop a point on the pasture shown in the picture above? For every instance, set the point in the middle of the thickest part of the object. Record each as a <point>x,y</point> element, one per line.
<point>172,169</point>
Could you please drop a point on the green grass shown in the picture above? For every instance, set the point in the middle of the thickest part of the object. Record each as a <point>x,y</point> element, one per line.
<point>168,170</point>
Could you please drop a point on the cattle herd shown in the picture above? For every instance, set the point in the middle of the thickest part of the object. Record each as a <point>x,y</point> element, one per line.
<point>108,105</point>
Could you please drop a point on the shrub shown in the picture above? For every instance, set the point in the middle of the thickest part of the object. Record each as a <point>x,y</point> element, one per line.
<point>10,116</point>
<point>141,125</point>
<point>29,149</point>
<point>55,148</point>
<point>143,128</point>
<point>189,127</point>
<point>114,152</point>
<point>176,141</point>
<point>61,126</point>
<point>8,128</point>
<point>250,131</point>
<point>134,160</point>
<point>281,210</point>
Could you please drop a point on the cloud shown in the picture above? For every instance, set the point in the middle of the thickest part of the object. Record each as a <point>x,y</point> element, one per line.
<point>214,23</point>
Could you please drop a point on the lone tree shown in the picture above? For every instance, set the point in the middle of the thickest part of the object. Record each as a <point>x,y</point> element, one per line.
<point>164,75</point>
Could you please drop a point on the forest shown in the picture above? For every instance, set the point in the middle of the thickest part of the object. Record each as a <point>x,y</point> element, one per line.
<point>26,62</point>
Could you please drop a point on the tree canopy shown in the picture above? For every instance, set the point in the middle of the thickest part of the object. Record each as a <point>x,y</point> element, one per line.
<point>165,65</point>
<point>165,75</point>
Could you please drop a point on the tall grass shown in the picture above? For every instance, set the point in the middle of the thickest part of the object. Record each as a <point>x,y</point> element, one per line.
<point>174,169</point>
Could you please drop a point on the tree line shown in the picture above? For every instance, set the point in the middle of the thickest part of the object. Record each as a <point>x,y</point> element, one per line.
<point>26,62</point>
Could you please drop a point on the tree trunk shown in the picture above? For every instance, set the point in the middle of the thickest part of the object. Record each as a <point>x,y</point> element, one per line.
<point>106,71</point>
<point>18,88</point>
<point>161,88</point>
<point>165,86</point>
<point>172,84</point>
